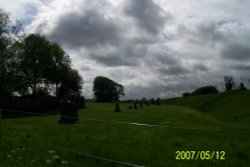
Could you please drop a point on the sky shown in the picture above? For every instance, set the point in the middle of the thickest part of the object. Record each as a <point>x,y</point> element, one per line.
<point>154,48</point>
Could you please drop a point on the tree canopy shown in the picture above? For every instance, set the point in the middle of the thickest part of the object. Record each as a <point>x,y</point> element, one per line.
<point>106,90</point>
<point>41,62</point>
<point>202,91</point>
<point>205,90</point>
<point>6,74</point>
<point>33,60</point>
<point>71,81</point>
<point>32,63</point>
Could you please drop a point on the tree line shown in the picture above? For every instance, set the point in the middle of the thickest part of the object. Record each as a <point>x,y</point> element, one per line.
<point>33,65</point>
<point>229,84</point>
<point>107,90</point>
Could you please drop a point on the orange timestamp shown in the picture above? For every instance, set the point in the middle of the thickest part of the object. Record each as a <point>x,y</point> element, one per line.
<point>200,155</point>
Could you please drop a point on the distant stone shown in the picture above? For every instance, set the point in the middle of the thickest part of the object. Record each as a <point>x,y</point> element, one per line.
<point>69,107</point>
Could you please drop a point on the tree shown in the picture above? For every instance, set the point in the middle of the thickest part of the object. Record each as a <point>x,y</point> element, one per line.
<point>60,67</point>
<point>8,82</point>
<point>42,91</point>
<point>185,94</point>
<point>72,82</point>
<point>33,59</point>
<point>41,62</point>
<point>204,90</point>
<point>229,82</point>
<point>118,91</point>
<point>4,31</point>
<point>4,21</point>
<point>106,90</point>
<point>242,86</point>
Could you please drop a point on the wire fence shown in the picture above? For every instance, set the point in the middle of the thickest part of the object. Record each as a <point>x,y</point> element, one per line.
<point>141,124</point>
<point>42,153</point>
<point>66,148</point>
<point>85,154</point>
<point>75,151</point>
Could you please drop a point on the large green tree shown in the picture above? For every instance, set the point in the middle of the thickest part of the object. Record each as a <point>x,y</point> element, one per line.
<point>32,60</point>
<point>58,71</point>
<point>41,62</point>
<point>7,78</point>
<point>106,90</point>
<point>4,20</point>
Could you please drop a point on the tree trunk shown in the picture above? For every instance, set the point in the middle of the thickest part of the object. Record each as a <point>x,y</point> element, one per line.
<point>57,89</point>
<point>33,90</point>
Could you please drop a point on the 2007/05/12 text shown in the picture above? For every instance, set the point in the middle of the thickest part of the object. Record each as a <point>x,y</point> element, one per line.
<point>200,155</point>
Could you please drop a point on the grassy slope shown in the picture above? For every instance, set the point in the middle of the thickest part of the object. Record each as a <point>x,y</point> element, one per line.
<point>148,146</point>
<point>228,106</point>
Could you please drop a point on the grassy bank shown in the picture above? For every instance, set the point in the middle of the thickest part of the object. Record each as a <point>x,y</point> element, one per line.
<point>31,141</point>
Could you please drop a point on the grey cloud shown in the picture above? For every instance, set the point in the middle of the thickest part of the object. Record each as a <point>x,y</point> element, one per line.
<point>135,50</point>
<point>148,92</point>
<point>161,55</point>
<point>85,67</point>
<point>222,23</point>
<point>45,2</point>
<point>200,67</point>
<point>41,27</point>
<point>241,72</point>
<point>236,51</point>
<point>173,70</point>
<point>88,29</point>
<point>31,11</point>
<point>209,32</point>
<point>128,54</point>
<point>162,91</point>
<point>113,60</point>
<point>204,33</point>
<point>147,14</point>
<point>167,60</point>
<point>242,67</point>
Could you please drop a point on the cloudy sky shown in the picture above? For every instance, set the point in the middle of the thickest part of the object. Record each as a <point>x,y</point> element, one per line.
<point>152,47</point>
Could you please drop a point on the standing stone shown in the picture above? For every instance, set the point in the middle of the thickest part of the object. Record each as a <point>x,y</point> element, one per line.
<point>117,107</point>
<point>69,109</point>
<point>140,103</point>
<point>135,105</point>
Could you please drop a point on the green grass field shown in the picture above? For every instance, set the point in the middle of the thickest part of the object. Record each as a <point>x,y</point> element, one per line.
<point>31,141</point>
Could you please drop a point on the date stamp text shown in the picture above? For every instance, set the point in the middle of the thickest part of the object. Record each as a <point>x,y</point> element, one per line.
<point>200,155</point>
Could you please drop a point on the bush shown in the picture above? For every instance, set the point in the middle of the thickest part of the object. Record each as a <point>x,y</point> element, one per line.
<point>242,86</point>
<point>205,90</point>
<point>185,94</point>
